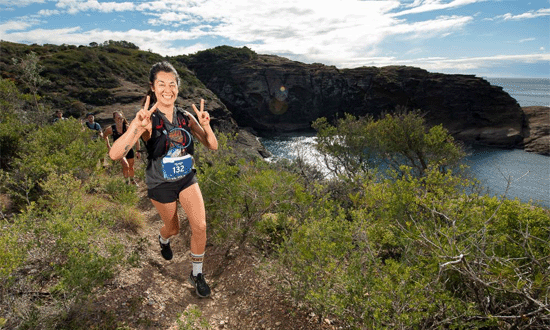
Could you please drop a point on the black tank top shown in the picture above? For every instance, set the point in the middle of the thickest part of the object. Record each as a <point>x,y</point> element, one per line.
<point>117,134</point>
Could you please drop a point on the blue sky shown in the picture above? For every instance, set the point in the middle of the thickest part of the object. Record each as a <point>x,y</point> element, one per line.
<point>488,38</point>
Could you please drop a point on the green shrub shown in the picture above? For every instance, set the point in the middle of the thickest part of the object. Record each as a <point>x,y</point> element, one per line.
<point>65,242</point>
<point>240,193</point>
<point>12,129</point>
<point>64,147</point>
<point>191,319</point>
<point>12,253</point>
<point>121,192</point>
<point>70,231</point>
<point>401,138</point>
<point>418,252</point>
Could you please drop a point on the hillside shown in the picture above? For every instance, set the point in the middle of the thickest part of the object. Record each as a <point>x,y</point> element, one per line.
<point>98,78</point>
<point>110,77</point>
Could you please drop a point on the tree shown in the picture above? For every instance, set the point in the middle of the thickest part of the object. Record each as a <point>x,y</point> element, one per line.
<point>30,74</point>
<point>358,145</point>
<point>347,148</point>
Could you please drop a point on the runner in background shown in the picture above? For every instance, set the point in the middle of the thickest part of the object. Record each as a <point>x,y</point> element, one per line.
<point>117,130</point>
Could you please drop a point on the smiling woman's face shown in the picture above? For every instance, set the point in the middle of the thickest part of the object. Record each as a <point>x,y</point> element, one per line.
<point>166,88</point>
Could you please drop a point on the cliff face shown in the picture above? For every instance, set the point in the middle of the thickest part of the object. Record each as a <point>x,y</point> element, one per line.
<point>537,130</point>
<point>270,93</point>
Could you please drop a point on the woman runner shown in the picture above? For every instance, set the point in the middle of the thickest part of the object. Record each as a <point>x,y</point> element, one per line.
<point>117,130</point>
<point>169,174</point>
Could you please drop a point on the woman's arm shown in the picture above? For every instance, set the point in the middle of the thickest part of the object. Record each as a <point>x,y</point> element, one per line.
<point>138,147</point>
<point>204,134</point>
<point>108,131</point>
<point>201,129</point>
<point>140,125</point>
<point>127,140</point>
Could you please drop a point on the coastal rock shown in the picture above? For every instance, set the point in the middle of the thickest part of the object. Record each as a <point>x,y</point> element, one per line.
<point>537,130</point>
<point>271,93</point>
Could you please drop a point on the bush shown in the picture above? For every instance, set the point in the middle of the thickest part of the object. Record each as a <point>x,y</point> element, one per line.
<point>418,252</point>
<point>121,192</point>
<point>70,251</point>
<point>12,129</point>
<point>402,138</point>
<point>12,254</point>
<point>57,149</point>
<point>240,196</point>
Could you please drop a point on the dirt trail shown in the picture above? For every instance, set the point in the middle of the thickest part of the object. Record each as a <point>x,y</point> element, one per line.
<point>152,295</point>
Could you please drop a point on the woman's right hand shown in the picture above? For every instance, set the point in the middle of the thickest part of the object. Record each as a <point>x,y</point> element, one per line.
<point>143,117</point>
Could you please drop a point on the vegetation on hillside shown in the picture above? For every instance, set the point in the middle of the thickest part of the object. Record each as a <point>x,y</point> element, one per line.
<point>407,244</point>
<point>74,75</point>
<point>219,55</point>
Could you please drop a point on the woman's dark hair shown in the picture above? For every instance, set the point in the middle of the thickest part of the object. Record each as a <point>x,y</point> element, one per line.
<point>163,66</point>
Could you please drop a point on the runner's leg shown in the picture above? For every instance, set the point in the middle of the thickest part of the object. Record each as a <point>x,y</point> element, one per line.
<point>124,168</point>
<point>193,204</point>
<point>131,168</point>
<point>168,214</point>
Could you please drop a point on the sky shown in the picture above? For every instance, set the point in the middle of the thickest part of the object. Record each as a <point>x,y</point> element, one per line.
<point>487,38</point>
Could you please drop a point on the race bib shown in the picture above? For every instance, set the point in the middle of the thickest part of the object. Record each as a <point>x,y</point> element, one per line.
<point>174,168</point>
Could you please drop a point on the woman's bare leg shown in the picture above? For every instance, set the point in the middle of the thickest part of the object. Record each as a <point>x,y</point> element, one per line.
<point>130,168</point>
<point>124,168</point>
<point>193,204</point>
<point>169,215</point>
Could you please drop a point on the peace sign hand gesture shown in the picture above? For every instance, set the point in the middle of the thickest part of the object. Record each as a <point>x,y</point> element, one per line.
<point>143,116</point>
<point>203,116</point>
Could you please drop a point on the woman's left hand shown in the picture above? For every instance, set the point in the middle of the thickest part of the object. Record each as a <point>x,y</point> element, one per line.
<point>203,116</point>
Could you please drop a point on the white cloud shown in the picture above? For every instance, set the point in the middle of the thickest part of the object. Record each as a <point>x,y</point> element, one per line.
<point>42,36</point>
<point>75,6</point>
<point>347,33</point>
<point>13,26</point>
<point>48,12</point>
<point>527,15</point>
<point>472,63</point>
<point>431,28</point>
<point>19,3</point>
<point>161,42</point>
<point>325,33</point>
<point>422,6</point>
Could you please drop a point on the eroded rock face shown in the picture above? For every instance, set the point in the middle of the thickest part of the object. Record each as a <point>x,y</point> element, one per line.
<point>537,130</point>
<point>271,93</point>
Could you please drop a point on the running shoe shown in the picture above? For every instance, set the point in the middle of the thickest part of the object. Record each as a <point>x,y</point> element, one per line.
<point>165,250</point>
<point>202,289</point>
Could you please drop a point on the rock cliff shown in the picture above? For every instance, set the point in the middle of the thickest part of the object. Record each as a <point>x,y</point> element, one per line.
<point>271,93</point>
<point>537,130</point>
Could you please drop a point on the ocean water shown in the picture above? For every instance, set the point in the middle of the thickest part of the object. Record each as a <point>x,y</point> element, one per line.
<point>527,91</point>
<point>511,173</point>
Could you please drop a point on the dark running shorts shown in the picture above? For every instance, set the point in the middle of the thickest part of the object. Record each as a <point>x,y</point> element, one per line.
<point>169,192</point>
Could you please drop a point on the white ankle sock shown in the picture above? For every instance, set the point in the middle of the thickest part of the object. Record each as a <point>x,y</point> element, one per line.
<point>164,240</point>
<point>197,263</point>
